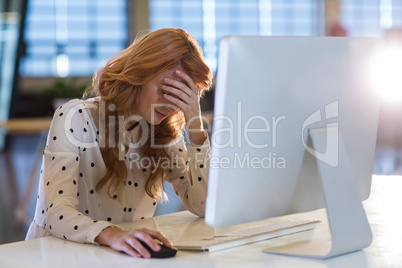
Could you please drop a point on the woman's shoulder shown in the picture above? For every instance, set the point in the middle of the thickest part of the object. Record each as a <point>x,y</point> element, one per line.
<point>73,120</point>
<point>74,112</point>
<point>75,108</point>
<point>77,104</point>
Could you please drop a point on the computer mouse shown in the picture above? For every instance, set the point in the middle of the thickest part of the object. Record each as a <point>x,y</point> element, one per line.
<point>164,252</point>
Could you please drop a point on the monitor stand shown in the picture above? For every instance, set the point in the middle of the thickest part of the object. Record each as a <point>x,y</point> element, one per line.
<point>350,230</point>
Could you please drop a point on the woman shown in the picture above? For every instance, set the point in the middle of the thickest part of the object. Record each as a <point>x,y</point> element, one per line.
<point>107,157</point>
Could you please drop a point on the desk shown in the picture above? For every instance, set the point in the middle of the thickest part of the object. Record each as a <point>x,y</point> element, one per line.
<point>25,126</point>
<point>383,211</point>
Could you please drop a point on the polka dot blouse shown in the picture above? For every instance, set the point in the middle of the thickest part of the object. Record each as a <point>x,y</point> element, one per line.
<point>68,205</point>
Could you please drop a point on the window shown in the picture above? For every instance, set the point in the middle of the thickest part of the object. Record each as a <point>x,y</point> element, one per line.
<point>370,18</point>
<point>209,20</point>
<point>361,18</point>
<point>74,37</point>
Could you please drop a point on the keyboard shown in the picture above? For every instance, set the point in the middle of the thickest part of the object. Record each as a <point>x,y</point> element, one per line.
<point>222,239</point>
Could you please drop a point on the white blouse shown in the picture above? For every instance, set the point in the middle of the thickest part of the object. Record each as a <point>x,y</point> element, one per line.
<point>68,205</point>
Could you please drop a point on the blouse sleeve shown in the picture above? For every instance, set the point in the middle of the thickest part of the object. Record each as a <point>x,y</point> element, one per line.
<point>189,174</point>
<point>61,174</point>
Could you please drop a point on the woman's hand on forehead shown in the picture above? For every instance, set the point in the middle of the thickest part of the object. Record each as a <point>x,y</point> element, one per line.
<point>183,93</point>
<point>186,95</point>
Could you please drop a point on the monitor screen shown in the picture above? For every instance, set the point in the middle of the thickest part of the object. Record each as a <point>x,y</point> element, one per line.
<point>270,93</point>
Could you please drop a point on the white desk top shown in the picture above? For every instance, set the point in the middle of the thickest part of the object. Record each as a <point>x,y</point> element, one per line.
<point>383,211</point>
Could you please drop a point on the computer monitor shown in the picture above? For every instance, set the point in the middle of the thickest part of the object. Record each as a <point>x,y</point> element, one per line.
<point>294,129</point>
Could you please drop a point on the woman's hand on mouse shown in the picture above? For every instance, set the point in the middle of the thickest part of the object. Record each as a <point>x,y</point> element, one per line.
<point>128,241</point>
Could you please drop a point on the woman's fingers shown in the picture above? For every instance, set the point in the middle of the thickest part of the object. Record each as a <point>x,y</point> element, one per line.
<point>189,81</point>
<point>147,239</point>
<point>137,246</point>
<point>178,93</point>
<point>178,102</point>
<point>129,249</point>
<point>125,244</point>
<point>180,86</point>
<point>130,241</point>
<point>159,236</point>
<point>184,94</point>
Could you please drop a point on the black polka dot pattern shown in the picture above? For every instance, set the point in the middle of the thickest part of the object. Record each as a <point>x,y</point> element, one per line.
<point>84,164</point>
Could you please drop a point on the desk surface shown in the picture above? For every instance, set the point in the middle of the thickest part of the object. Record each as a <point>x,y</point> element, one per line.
<point>383,211</point>
<point>26,125</point>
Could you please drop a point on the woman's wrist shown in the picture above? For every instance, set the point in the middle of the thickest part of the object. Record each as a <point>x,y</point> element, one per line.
<point>197,134</point>
<point>197,137</point>
<point>106,235</point>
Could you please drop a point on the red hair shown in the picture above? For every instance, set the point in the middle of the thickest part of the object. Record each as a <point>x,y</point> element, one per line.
<point>123,76</point>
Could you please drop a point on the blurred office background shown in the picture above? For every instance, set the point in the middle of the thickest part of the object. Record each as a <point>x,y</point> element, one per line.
<point>49,49</point>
